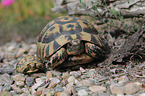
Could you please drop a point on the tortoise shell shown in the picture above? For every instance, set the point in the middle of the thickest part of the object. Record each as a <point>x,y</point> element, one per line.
<point>60,31</point>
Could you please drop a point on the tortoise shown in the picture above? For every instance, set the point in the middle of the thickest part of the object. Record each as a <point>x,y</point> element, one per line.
<point>65,41</point>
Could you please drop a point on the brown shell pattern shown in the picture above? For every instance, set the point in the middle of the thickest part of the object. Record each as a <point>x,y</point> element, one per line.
<point>63,29</point>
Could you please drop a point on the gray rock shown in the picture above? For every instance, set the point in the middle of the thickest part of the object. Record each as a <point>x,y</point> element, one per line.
<point>95,94</point>
<point>5,79</point>
<point>84,87</point>
<point>64,93</point>
<point>69,88</point>
<point>7,88</point>
<point>87,82</point>
<point>82,92</point>
<point>59,89</point>
<point>29,81</point>
<point>53,82</point>
<point>1,70</point>
<point>39,83</point>
<point>56,73</point>
<point>84,76</point>
<point>7,69</point>
<point>26,90</point>
<point>76,74</point>
<point>71,79</point>
<point>13,93</point>
<point>16,89</point>
<point>65,75</point>
<point>103,94</point>
<point>19,79</point>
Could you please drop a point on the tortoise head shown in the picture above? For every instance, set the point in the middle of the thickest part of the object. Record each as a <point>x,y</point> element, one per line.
<point>75,47</point>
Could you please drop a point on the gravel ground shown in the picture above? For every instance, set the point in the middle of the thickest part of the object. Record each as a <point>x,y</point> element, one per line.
<point>116,80</point>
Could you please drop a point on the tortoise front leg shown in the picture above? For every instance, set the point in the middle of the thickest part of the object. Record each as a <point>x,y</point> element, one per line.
<point>58,58</point>
<point>94,51</point>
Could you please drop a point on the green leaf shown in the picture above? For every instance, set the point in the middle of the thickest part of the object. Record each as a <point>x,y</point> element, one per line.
<point>95,9</point>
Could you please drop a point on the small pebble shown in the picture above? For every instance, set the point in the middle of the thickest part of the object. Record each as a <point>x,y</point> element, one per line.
<point>37,93</point>
<point>91,73</point>
<point>87,83</point>
<point>76,74</point>
<point>64,93</point>
<point>56,73</point>
<point>53,82</point>
<point>59,89</point>
<point>82,92</point>
<point>82,70</point>
<point>103,94</point>
<point>5,93</point>
<point>6,88</point>
<point>58,93</point>
<point>5,79</point>
<point>71,79</point>
<point>19,79</point>
<point>49,74</point>
<point>17,89</point>
<point>131,88</point>
<point>116,90</point>
<point>39,83</point>
<point>29,81</point>
<point>65,75</point>
<point>123,79</point>
<point>97,88</point>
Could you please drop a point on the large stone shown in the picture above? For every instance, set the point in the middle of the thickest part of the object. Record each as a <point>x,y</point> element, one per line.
<point>131,88</point>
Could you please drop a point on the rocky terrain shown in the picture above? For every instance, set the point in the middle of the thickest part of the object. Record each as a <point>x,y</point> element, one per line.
<point>115,80</point>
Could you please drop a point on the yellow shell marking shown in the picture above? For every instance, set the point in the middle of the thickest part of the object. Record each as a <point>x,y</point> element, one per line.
<point>65,28</point>
<point>62,19</point>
